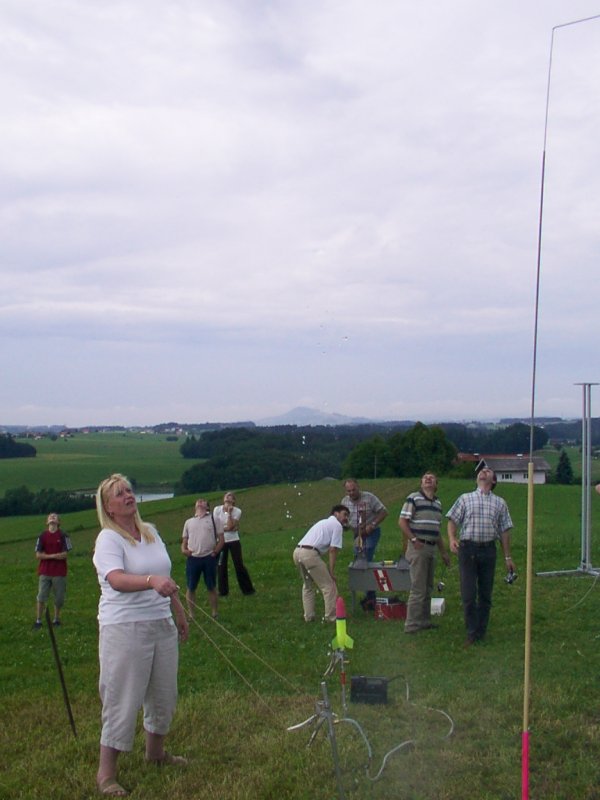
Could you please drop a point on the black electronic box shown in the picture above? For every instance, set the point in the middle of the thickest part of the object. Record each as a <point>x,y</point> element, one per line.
<point>368,690</point>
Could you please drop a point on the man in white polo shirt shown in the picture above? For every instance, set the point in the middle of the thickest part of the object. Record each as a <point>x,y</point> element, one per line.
<point>325,536</point>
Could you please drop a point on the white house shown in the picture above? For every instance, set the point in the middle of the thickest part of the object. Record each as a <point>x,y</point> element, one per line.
<point>515,469</point>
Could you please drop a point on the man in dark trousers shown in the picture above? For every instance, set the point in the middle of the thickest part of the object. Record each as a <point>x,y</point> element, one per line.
<point>482,519</point>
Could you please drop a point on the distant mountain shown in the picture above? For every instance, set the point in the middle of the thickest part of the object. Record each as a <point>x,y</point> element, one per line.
<point>301,415</point>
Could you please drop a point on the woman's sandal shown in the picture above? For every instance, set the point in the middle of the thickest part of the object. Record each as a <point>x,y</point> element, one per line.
<point>110,788</point>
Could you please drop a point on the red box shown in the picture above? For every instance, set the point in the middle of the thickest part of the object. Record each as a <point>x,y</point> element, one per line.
<point>384,609</point>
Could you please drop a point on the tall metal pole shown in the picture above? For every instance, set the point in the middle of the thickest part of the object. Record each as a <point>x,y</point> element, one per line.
<point>586,477</point>
<point>585,558</point>
<point>530,484</point>
<point>588,485</point>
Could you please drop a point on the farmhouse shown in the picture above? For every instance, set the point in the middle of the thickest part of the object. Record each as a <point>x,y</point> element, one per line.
<point>514,469</point>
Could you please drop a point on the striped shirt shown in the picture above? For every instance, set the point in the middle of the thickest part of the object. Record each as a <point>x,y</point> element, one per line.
<point>424,516</point>
<point>364,510</point>
<point>481,516</point>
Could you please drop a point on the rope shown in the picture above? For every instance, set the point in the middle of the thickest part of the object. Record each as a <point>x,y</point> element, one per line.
<point>296,690</point>
<point>232,665</point>
<point>242,644</point>
<point>581,599</point>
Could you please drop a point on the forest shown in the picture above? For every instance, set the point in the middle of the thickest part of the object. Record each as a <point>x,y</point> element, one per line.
<point>11,449</point>
<point>256,456</point>
<point>22,501</point>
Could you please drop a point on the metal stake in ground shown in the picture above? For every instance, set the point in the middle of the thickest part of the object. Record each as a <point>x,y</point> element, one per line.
<point>323,713</point>
<point>60,671</point>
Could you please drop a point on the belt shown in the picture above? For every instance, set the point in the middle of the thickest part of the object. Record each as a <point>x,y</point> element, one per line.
<point>308,547</point>
<point>479,544</point>
<point>426,541</point>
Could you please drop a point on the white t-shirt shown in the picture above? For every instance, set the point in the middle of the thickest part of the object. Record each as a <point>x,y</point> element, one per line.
<point>111,552</point>
<point>324,534</point>
<point>221,517</point>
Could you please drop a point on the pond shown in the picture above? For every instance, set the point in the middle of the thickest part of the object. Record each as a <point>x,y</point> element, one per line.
<point>144,497</point>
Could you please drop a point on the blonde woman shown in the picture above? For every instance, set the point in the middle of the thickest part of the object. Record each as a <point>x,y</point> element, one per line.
<point>138,635</point>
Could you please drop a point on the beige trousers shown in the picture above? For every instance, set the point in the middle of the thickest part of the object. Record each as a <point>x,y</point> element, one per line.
<point>138,667</point>
<point>314,573</point>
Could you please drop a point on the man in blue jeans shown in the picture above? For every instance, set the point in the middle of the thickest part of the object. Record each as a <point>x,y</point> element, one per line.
<point>367,512</point>
<point>482,519</point>
<point>201,542</point>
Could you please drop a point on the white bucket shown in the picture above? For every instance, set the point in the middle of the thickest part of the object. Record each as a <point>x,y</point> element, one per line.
<point>438,605</point>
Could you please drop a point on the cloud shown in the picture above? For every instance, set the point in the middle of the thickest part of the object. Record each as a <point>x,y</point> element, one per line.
<point>296,183</point>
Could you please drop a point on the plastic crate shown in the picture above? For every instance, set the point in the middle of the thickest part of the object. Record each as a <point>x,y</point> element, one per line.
<point>389,608</point>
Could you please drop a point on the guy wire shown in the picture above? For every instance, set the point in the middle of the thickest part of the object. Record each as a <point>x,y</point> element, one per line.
<point>239,642</point>
<point>296,690</point>
<point>581,599</point>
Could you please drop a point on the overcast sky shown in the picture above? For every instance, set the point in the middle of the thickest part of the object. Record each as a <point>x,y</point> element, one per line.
<point>220,210</point>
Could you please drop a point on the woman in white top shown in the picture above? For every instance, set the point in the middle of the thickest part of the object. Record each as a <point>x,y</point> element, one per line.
<point>227,518</point>
<point>138,635</point>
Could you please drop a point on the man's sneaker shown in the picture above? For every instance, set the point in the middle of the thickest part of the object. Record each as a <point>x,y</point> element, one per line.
<point>56,622</point>
<point>37,625</point>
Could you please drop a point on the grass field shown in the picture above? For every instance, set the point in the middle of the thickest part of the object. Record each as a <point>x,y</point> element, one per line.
<point>552,455</point>
<point>81,462</point>
<point>234,728</point>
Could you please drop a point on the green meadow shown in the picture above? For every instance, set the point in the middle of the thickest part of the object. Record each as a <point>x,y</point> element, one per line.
<point>244,680</point>
<point>81,462</point>
<point>552,455</point>
<point>155,463</point>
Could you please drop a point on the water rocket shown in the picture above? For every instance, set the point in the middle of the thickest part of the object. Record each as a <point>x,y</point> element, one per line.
<point>341,641</point>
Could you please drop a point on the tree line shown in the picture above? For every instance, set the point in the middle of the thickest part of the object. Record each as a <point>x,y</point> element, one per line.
<point>570,430</point>
<point>22,501</point>
<point>11,449</point>
<point>255,456</point>
<point>403,454</point>
<point>511,439</point>
<point>240,456</point>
